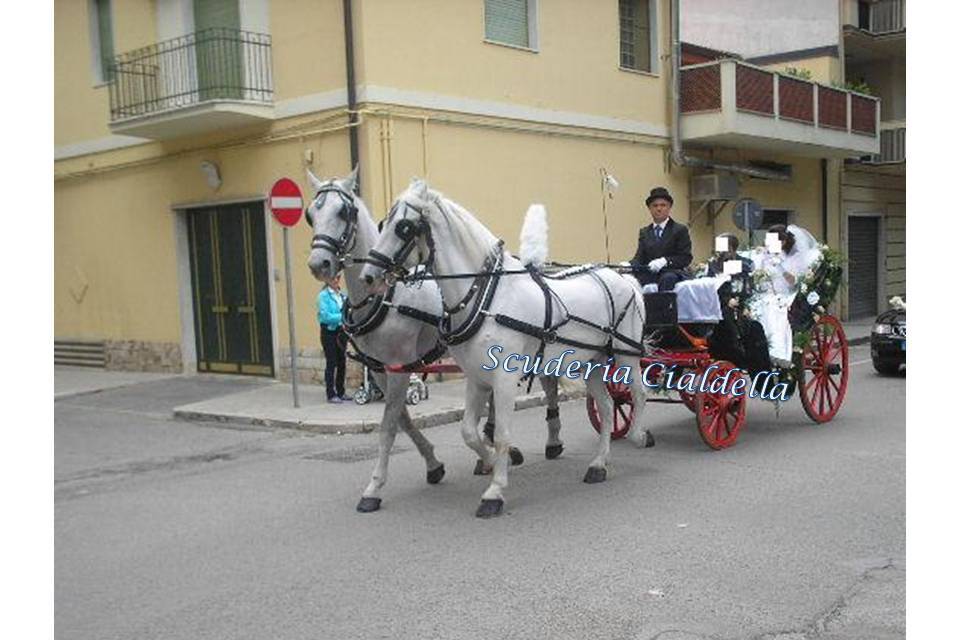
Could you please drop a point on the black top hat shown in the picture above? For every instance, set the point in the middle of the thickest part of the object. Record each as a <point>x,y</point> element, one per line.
<point>658,193</point>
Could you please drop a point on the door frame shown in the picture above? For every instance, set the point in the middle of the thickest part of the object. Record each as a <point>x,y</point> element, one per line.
<point>188,341</point>
<point>881,255</point>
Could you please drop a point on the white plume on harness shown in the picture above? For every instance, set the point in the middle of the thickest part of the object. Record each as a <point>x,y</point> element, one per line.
<point>533,237</point>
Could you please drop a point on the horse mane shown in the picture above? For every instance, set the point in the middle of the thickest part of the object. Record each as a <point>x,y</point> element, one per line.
<point>476,241</point>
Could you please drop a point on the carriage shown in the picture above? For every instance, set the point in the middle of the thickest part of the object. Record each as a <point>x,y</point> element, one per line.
<point>819,372</point>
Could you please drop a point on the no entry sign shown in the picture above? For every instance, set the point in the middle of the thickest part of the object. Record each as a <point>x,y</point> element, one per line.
<point>286,202</point>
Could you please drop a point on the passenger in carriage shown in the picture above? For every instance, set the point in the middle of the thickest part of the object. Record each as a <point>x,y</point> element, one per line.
<point>736,338</point>
<point>663,247</point>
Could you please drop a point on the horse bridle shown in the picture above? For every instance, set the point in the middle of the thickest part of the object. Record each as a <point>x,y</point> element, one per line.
<point>342,246</point>
<point>408,231</point>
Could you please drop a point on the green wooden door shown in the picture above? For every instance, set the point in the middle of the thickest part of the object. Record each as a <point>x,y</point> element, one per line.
<point>231,299</point>
<point>219,50</point>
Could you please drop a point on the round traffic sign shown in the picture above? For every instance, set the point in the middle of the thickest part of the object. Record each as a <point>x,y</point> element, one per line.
<point>286,202</point>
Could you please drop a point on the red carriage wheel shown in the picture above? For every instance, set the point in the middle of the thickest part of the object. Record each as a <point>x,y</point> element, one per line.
<point>622,410</point>
<point>825,368</point>
<point>720,416</point>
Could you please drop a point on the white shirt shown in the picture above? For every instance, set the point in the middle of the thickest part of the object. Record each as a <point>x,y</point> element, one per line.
<point>662,227</point>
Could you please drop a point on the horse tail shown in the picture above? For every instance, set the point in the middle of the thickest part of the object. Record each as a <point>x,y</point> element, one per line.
<point>533,237</point>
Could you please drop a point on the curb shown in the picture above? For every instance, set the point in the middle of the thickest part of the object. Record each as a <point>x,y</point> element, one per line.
<point>433,419</point>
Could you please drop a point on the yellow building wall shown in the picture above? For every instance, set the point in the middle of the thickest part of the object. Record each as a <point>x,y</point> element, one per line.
<point>823,69</point>
<point>116,272</point>
<point>401,42</point>
<point>307,50</point>
<point>496,173</point>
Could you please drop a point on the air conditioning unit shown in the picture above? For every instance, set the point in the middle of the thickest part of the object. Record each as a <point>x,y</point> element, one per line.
<point>714,186</point>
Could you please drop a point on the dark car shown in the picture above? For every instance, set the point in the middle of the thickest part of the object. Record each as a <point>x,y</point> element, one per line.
<point>888,341</point>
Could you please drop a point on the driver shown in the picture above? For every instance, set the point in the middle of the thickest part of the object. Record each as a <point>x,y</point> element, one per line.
<point>663,248</point>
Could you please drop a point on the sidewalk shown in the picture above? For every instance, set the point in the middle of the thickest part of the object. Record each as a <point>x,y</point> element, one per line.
<point>75,381</point>
<point>272,406</point>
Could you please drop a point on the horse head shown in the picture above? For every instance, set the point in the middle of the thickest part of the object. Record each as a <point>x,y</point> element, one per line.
<point>332,215</point>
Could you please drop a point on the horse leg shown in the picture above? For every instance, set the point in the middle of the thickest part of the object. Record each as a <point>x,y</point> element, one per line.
<point>639,437</point>
<point>395,395</point>
<point>516,456</point>
<point>474,400</point>
<point>504,397</point>
<point>597,471</point>
<point>435,469</point>
<point>554,446</point>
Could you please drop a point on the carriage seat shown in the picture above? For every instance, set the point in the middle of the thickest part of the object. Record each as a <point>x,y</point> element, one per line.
<point>697,300</point>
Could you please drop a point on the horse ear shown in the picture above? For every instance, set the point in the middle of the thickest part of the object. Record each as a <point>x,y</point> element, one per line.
<point>315,182</point>
<point>418,187</point>
<point>350,182</point>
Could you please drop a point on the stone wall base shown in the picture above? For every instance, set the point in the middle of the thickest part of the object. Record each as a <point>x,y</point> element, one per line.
<point>137,355</point>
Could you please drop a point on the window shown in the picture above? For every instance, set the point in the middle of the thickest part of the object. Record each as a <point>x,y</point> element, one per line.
<point>637,29</point>
<point>101,38</point>
<point>511,22</point>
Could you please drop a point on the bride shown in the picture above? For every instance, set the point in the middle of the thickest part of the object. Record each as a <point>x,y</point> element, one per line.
<point>790,252</point>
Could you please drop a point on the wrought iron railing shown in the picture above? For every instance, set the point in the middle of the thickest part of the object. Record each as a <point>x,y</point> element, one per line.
<point>213,64</point>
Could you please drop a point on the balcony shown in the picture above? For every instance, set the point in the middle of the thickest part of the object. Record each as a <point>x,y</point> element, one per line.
<point>201,82</point>
<point>893,145</point>
<point>876,31</point>
<point>728,103</point>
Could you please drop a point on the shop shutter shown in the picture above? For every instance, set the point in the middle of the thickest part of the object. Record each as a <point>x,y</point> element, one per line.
<point>863,250</point>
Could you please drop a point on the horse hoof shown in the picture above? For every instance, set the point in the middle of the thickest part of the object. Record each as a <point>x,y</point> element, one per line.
<point>553,451</point>
<point>436,475</point>
<point>595,475</point>
<point>516,457</point>
<point>488,432</point>
<point>481,469</point>
<point>490,508</point>
<point>648,441</point>
<point>368,505</point>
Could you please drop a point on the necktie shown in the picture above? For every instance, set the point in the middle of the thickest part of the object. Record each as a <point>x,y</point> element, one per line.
<point>658,231</point>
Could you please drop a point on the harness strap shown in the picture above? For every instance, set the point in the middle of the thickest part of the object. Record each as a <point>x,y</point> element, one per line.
<point>417,314</point>
<point>373,320</point>
<point>469,327</point>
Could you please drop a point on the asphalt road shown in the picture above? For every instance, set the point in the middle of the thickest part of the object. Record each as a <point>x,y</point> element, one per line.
<point>176,530</point>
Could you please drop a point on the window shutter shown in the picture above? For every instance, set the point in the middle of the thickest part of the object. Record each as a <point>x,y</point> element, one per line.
<point>507,21</point>
<point>105,35</point>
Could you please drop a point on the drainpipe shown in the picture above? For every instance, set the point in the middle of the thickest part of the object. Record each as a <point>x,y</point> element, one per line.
<point>677,155</point>
<point>351,87</point>
<point>823,197</point>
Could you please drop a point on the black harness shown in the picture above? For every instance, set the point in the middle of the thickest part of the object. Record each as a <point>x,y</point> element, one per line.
<point>484,287</point>
<point>379,305</point>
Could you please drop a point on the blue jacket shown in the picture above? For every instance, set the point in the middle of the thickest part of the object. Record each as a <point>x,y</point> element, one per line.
<point>330,308</point>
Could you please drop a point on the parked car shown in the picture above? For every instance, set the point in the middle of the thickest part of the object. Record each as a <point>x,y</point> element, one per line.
<point>888,340</point>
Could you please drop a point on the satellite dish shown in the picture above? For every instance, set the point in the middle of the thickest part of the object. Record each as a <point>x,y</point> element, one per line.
<point>747,214</point>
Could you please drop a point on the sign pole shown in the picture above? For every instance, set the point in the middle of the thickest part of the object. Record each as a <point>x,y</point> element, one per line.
<point>286,205</point>
<point>290,317</point>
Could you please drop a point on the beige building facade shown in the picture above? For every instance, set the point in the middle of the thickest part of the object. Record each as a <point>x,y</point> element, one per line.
<point>166,258</point>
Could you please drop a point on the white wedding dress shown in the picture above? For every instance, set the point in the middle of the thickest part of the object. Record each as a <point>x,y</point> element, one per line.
<point>771,301</point>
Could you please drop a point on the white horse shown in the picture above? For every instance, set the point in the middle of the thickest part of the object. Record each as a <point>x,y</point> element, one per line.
<point>427,228</point>
<point>343,229</point>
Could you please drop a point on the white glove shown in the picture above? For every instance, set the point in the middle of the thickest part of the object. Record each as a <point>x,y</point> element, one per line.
<point>656,265</point>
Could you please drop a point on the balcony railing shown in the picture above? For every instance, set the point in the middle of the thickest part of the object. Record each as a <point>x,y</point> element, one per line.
<point>886,16</point>
<point>766,93</point>
<point>893,147</point>
<point>210,65</point>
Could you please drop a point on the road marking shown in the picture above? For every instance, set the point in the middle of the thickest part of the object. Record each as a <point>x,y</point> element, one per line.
<point>853,364</point>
